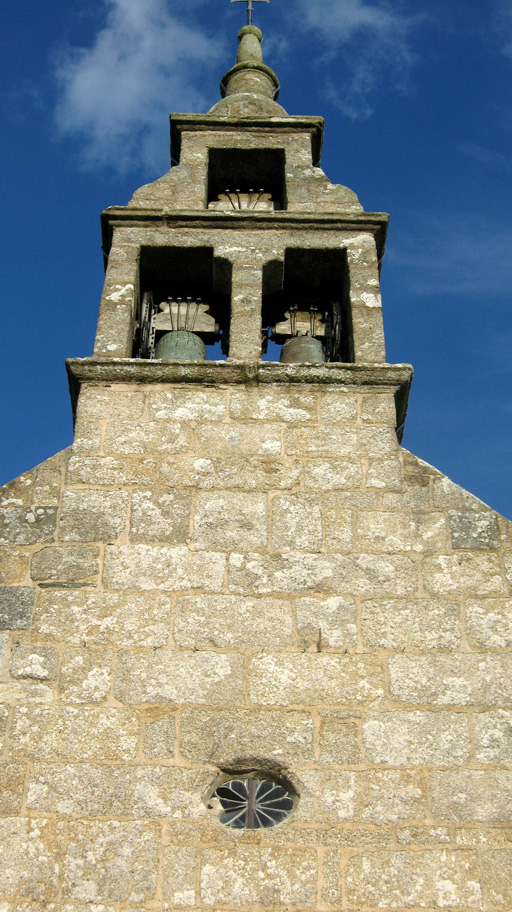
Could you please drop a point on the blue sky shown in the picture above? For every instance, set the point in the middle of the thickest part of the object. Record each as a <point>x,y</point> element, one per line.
<point>418,106</point>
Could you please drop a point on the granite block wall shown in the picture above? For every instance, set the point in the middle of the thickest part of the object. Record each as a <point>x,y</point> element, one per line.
<point>239,576</point>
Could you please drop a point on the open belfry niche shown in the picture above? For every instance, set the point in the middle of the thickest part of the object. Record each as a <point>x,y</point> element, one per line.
<point>254,654</point>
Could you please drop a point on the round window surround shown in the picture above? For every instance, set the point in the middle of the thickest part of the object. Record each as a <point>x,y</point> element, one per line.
<point>251,802</point>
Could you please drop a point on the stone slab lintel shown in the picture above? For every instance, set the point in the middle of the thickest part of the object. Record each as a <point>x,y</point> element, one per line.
<point>375,223</point>
<point>181,123</point>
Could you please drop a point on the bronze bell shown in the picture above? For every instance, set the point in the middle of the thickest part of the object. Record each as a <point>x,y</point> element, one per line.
<point>180,345</point>
<point>303,350</point>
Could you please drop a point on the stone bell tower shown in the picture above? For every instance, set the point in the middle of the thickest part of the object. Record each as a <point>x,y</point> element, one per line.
<point>253,653</point>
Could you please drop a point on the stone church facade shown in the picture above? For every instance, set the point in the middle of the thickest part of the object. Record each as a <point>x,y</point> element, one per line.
<point>236,574</point>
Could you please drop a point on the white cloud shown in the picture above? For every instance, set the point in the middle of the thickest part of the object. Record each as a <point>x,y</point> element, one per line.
<point>374,38</point>
<point>115,95</point>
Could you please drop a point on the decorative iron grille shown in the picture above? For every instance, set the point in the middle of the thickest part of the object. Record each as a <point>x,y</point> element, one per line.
<point>251,803</point>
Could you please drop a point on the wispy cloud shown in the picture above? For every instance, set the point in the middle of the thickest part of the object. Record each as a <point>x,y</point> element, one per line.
<point>496,161</point>
<point>114,96</point>
<point>374,38</point>
<point>456,253</point>
<point>504,25</point>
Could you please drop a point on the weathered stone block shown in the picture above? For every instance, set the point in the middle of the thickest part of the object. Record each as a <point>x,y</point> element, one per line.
<point>85,675</point>
<point>489,623</point>
<point>338,524</point>
<point>480,834</point>
<point>385,474</point>
<point>188,405</point>
<point>25,693</point>
<point>446,495</point>
<point>378,442</point>
<point>497,878</point>
<point>461,680</point>
<point>18,492</point>
<point>98,516</point>
<point>337,442</point>
<point>408,836</point>
<point>28,860</point>
<point>111,861</point>
<point>221,737</point>
<point>466,573</point>
<point>183,677</point>
<point>114,334</point>
<point>4,718</point>
<point>430,879</point>
<point>27,525</point>
<point>162,567</point>
<point>315,678</point>
<point>159,738</point>
<point>339,742</point>
<point>118,791</point>
<point>12,780</point>
<point>300,573</point>
<point>464,796</point>
<point>259,876</point>
<point>333,476</point>
<point>328,621</point>
<point>333,797</point>
<point>179,875</point>
<point>79,733</point>
<point>508,568</point>
<point>231,474</point>
<point>415,624</point>
<point>48,480</point>
<point>273,405</point>
<point>474,530</point>
<point>13,565</point>
<point>493,737</point>
<point>110,403</point>
<point>232,622</point>
<point>237,439</point>
<point>16,606</point>
<point>38,662</point>
<point>414,497</point>
<point>297,522</point>
<point>160,516</point>
<point>337,407</point>
<point>390,532</point>
<point>332,882</point>
<point>87,438</point>
<point>379,409</point>
<point>131,438</point>
<point>65,564</point>
<point>81,616</point>
<point>224,519</point>
<point>416,738</point>
<point>65,907</point>
<point>107,470</point>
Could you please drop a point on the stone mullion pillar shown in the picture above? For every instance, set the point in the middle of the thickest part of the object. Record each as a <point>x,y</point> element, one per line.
<point>245,325</point>
<point>114,335</point>
<point>366,303</point>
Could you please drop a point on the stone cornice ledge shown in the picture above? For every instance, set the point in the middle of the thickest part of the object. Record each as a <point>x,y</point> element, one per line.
<point>396,377</point>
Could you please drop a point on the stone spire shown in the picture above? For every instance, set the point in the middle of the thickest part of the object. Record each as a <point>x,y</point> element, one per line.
<point>250,87</point>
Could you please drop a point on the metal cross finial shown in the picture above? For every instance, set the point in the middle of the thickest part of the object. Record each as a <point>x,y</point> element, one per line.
<point>250,7</point>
